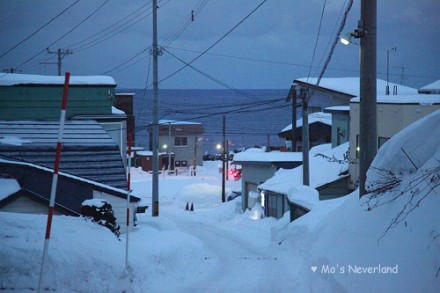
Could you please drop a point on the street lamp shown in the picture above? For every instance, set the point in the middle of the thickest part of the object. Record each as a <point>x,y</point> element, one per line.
<point>367,32</point>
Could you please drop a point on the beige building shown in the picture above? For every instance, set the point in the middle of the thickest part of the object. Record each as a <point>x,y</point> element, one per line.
<point>394,113</point>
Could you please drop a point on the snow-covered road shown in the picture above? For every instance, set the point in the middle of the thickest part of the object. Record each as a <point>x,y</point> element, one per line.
<point>233,260</point>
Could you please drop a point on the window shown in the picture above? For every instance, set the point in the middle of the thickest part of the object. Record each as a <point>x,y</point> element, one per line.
<point>382,140</point>
<point>181,141</point>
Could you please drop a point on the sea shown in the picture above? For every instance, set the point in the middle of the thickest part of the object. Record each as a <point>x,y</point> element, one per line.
<point>252,117</point>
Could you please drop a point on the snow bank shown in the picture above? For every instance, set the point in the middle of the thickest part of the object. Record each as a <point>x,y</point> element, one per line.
<point>385,242</point>
<point>409,149</point>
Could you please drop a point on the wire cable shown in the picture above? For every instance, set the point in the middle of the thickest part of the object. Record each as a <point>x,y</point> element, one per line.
<point>39,29</point>
<point>216,42</point>
<point>317,38</point>
<point>335,42</point>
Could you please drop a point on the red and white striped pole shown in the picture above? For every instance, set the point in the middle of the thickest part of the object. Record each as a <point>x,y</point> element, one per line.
<point>54,178</point>
<point>128,198</point>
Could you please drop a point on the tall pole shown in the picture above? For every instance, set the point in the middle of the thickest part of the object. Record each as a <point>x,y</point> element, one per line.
<point>224,161</point>
<point>130,141</point>
<point>61,53</point>
<point>293,131</point>
<point>53,189</point>
<point>305,136</point>
<point>169,146</point>
<point>368,91</point>
<point>155,144</point>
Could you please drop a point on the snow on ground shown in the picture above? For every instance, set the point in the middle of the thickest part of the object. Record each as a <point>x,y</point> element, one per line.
<point>341,245</point>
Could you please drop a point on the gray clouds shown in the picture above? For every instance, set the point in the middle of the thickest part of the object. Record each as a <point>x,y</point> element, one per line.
<point>274,45</point>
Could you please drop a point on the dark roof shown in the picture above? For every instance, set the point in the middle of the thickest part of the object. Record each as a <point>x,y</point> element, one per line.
<point>72,190</point>
<point>88,150</point>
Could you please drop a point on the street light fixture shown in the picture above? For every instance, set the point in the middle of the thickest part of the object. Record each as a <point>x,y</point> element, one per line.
<point>346,38</point>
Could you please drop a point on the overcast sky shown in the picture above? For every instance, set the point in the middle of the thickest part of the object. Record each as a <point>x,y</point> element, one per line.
<point>269,49</point>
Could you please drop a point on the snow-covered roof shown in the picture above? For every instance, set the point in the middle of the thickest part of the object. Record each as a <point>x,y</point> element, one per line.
<point>350,85</point>
<point>150,153</point>
<point>432,86</point>
<point>117,111</point>
<point>405,99</point>
<point>338,108</point>
<point>324,168</point>
<point>31,132</point>
<point>303,195</point>
<point>321,117</point>
<point>8,187</point>
<point>262,156</point>
<point>119,191</point>
<point>176,122</point>
<point>10,79</point>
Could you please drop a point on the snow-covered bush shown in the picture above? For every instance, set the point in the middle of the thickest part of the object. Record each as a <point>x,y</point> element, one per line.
<point>101,212</point>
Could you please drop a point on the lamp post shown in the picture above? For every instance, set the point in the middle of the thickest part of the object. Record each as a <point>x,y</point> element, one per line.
<point>367,33</point>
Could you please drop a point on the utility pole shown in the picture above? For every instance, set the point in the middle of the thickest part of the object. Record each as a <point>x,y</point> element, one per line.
<point>223,161</point>
<point>155,144</point>
<point>196,139</point>
<point>305,136</point>
<point>368,90</point>
<point>387,90</point>
<point>169,146</point>
<point>292,96</point>
<point>61,53</point>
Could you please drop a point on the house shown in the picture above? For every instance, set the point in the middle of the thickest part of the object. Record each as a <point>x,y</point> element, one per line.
<point>329,93</point>
<point>258,166</point>
<point>432,88</point>
<point>328,175</point>
<point>145,160</point>
<point>337,91</point>
<point>320,129</point>
<point>340,131</point>
<point>88,150</point>
<point>38,97</point>
<point>30,110</point>
<point>181,138</point>
<point>94,139</point>
<point>34,192</point>
<point>394,113</point>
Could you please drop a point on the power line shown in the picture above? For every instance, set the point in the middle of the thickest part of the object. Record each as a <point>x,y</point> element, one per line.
<point>185,24</point>
<point>335,42</point>
<point>39,29</point>
<point>216,42</point>
<point>317,38</point>
<point>213,78</point>
<point>65,34</point>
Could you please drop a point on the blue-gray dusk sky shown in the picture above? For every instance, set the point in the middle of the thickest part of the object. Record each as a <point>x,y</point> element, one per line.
<point>268,49</point>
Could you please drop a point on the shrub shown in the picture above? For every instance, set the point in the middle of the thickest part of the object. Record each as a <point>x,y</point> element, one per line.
<point>101,212</point>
